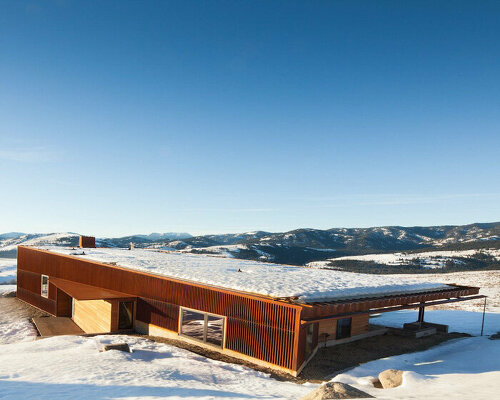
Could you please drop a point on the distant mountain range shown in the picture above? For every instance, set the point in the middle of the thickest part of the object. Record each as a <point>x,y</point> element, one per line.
<point>297,247</point>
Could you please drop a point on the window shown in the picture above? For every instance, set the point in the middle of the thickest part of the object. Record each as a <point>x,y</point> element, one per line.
<point>215,330</point>
<point>344,328</point>
<point>125,315</point>
<point>207,328</point>
<point>309,340</point>
<point>193,324</point>
<point>44,292</point>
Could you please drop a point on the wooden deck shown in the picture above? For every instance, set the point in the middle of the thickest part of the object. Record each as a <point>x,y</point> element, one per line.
<point>56,326</point>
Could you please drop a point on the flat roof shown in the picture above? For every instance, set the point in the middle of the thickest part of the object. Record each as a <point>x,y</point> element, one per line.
<point>302,284</point>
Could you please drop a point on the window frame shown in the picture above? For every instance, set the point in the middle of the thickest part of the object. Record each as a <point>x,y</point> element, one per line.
<point>205,327</point>
<point>44,293</point>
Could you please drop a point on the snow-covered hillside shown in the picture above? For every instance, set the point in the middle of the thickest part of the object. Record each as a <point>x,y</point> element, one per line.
<point>10,242</point>
<point>8,275</point>
<point>429,259</point>
<point>7,271</point>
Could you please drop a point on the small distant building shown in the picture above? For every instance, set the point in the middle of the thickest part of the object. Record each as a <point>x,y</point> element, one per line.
<point>272,315</point>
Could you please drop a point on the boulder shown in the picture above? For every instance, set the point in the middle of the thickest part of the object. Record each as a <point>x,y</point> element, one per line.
<point>391,378</point>
<point>336,390</point>
<point>117,346</point>
<point>496,336</point>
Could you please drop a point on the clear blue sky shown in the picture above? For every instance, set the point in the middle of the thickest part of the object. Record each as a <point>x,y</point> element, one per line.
<point>122,117</point>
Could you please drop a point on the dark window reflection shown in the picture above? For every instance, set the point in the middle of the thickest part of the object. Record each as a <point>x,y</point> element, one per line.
<point>203,326</point>
<point>215,329</point>
<point>193,324</point>
<point>344,328</point>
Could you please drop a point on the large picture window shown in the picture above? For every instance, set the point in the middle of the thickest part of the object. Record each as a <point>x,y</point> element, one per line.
<point>207,328</point>
<point>44,291</point>
<point>344,328</point>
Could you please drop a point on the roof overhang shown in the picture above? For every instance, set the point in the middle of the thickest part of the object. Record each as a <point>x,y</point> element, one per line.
<point>389,309</point>
<point>318,311</point>
<point>80,291</point>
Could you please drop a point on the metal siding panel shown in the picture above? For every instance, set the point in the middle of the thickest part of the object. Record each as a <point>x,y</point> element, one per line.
<point>164,315</point>
<point>29,280</point>
<point>42,303</point>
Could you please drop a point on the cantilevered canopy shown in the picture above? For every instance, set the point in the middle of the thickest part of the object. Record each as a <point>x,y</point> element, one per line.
<point>79,291</point>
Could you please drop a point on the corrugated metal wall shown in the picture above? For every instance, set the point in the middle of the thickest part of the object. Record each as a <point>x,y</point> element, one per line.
<point>29,288</point>
<point>257,327</point>
<point>159,313</point>
<point>254,328</point>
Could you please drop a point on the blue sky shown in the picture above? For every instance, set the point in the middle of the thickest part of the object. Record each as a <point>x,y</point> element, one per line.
<point>121,117</point>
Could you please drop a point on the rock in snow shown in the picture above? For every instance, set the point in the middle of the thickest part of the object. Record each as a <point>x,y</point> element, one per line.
<point>118,346</point>
<point>336,390</point>
<point>391,378</point>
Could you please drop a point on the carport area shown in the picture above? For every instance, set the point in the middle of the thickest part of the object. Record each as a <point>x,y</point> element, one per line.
<point>88,309</point>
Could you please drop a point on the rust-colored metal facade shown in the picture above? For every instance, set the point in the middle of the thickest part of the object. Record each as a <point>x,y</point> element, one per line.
<point>256,327</point>
<point>86,242</point>
<point>270,330</point>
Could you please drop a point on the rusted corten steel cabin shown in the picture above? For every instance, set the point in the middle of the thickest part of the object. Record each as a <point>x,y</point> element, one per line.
<point>281,333</point>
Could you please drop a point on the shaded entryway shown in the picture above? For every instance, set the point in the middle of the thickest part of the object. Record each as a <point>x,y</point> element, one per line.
<point>56,326</point>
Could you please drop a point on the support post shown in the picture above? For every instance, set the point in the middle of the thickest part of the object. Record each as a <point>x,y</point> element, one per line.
<point>484,311</point>
<point>421,311</point>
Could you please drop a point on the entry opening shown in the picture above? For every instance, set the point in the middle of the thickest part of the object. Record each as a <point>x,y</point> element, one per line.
<point>344,328</point>
<point>125,315</point>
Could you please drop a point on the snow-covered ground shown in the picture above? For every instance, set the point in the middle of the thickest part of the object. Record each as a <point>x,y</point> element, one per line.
<point>458,320</point>
<point>68,367</point>
<point>14,323</point>
<point>460,369</point>
<point>72,367</point>
<point>7,290</point>
<point>430,259</point>
<point>467,368</point>
<point>7,271</point>
<point>274,280</point>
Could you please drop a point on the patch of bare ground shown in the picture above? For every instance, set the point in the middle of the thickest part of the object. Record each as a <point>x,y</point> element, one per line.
<point>331,361</point>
